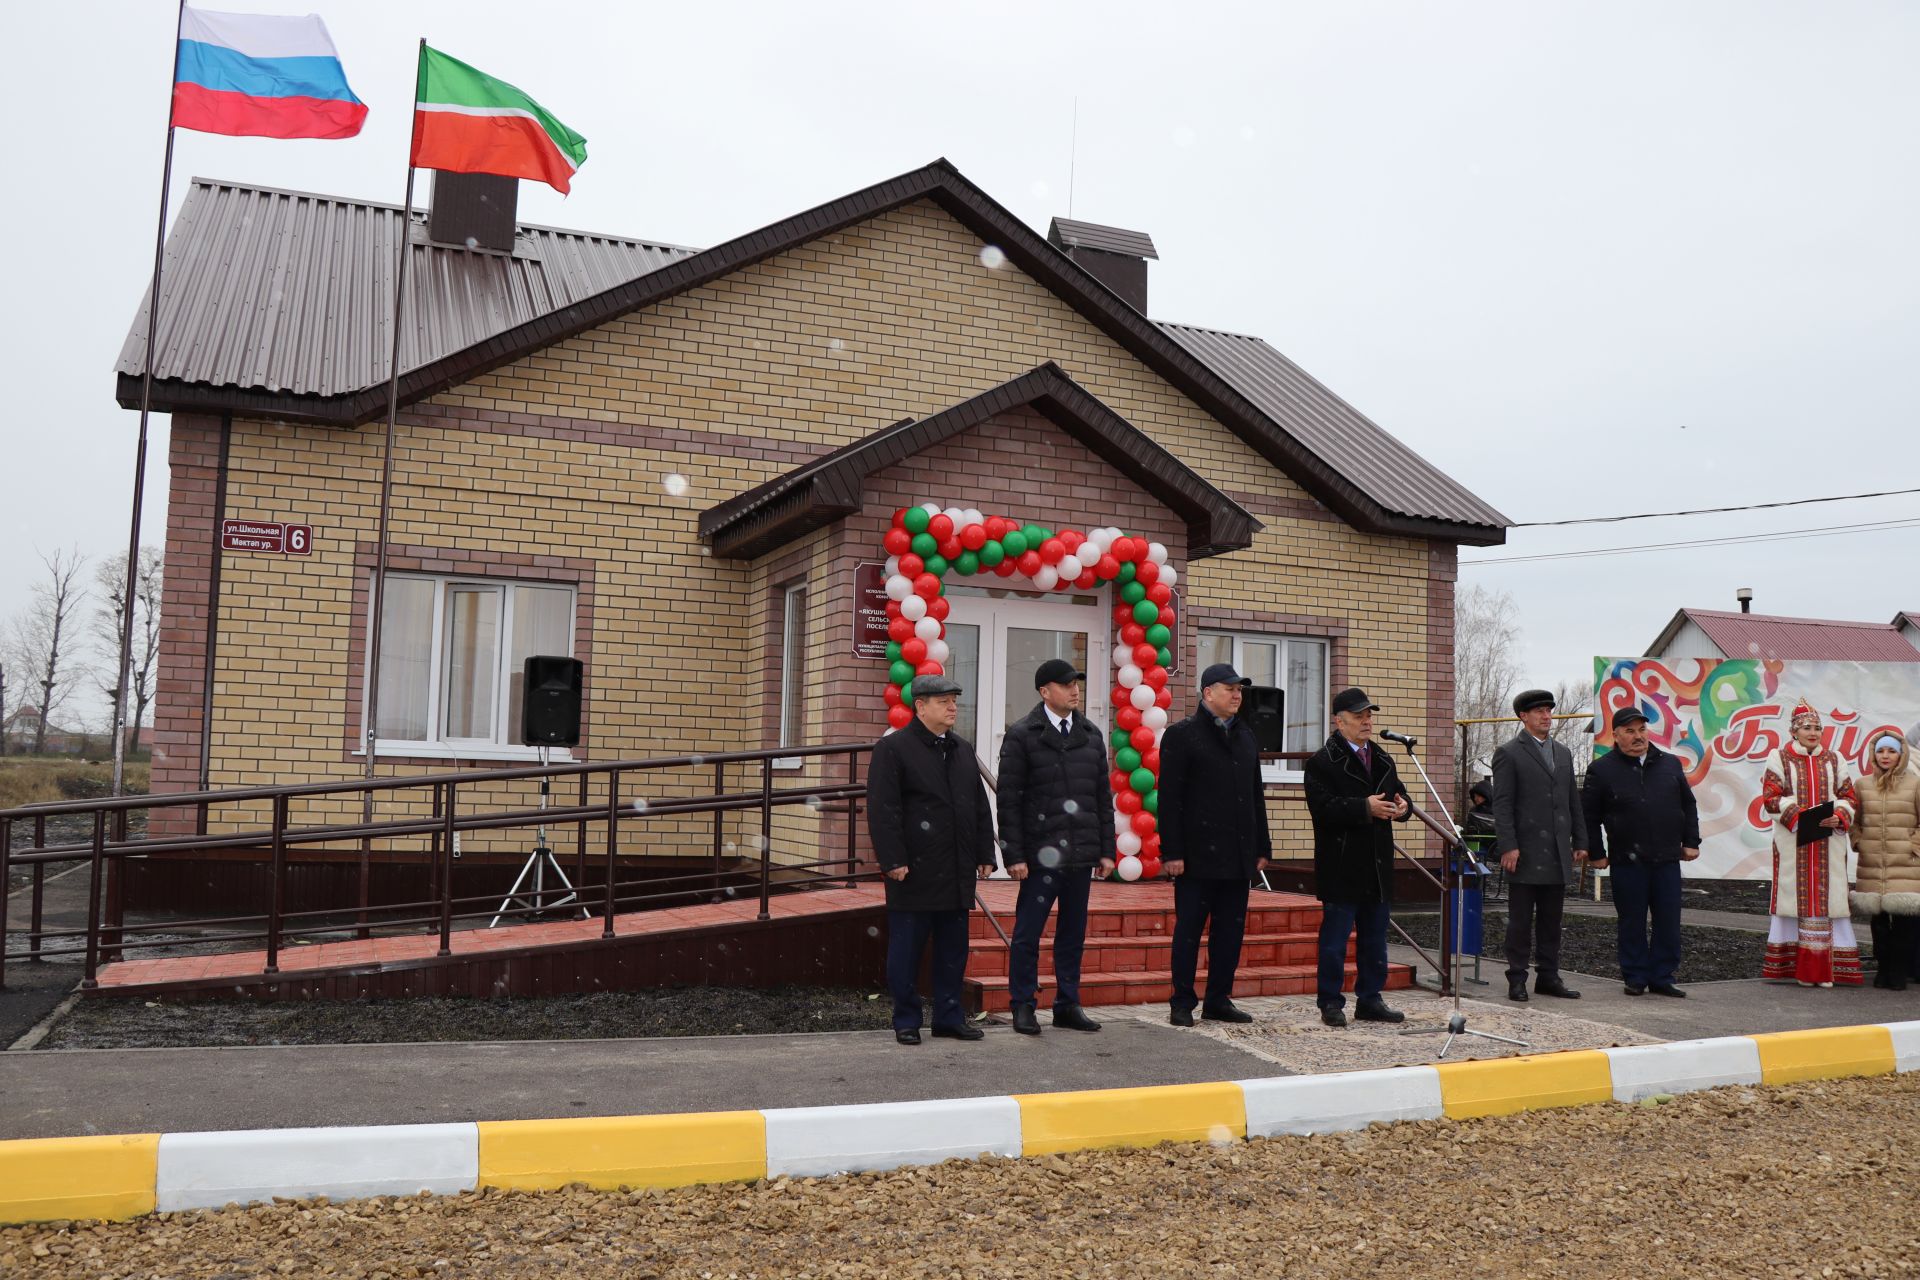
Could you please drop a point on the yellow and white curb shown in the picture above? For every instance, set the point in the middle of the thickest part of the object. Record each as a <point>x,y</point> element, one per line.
<point>127,1175</point>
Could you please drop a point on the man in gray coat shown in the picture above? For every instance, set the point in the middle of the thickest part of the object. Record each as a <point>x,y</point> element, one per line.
<point>1539,833</point>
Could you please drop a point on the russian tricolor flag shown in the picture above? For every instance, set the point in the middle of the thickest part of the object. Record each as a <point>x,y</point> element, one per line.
<point>263,76</point>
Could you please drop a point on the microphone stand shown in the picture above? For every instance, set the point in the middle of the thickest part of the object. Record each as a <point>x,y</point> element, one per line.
<point>1457,1021</point>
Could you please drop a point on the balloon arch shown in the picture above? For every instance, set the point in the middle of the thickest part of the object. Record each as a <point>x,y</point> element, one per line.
<point>926,543</point>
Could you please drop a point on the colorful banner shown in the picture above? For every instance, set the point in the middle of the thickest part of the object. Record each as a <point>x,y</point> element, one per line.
<point>1724,717</point>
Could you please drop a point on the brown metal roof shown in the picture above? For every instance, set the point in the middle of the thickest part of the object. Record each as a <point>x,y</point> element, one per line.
<point>292,292</point>
<point>1748,635</point>
<point>1069,234</point>
<point>1386,470</point>
<point>830,487</point>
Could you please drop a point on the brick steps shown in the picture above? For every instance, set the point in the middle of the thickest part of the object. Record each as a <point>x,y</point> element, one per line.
<point>1108,920</point>
<point>990,993</point>
<point>1149,953</point>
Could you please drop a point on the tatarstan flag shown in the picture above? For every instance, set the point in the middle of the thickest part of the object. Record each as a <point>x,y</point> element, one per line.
<point>465,121</point>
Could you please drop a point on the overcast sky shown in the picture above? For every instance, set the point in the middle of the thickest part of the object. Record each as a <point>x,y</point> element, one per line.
<point>1588,258</point>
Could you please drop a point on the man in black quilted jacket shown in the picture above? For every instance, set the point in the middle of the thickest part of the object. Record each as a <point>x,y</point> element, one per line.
<point>1056,832</point>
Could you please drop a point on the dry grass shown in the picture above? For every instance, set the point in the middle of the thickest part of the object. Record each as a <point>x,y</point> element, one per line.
<point>44,780</point>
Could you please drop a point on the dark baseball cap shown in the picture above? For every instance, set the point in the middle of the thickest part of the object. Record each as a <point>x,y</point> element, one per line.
<point>1627,715</point>
<point>1222,673</point>
<point>1353,700</point>
<point>934,686</point>
<point>1532,698</point>
<point>1056,671</point>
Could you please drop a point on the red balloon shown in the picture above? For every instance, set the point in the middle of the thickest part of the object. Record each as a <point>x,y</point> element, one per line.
<point>1146,573</point>
<point>1126,800</point>
<point>941,527</point>
<point>892,694</point>
<point>1150,846</point>
<point>897,542</point>
<point>1086,580</point>
<point>1144,654</point>
<point>1052,550</point>
<point>1106,567</point>
<point>1132,632</point>
<point>1143,823</point>
<point>1156,676</point>
<point>912,565</point>
<point>899,517</point>
<point>898,716</point>
<point>951,549</point>
<point>1166,614</point>
<point>1119,780</point>
<point>1142,739</point>
<point>893,610</point>
<point>937,608</point>
<point>1005,569</point>
<point>1160,593</point>
<point>996,527</point>
<point>1141,548</point>
<point>973,537</point>
<point>914,650</point>
<point>1127,717</point>
<point>926,585</point>
<point>1122,615</point>
<point>1122,549</point>
<point>1151,760</point>
<point>1072,540</point>
<point>899,630</point>
<point>1163,698</point>
<point>1121,696</point>
<point>1149,867</point>
<point>1029,563</point>
<point>928,668</point>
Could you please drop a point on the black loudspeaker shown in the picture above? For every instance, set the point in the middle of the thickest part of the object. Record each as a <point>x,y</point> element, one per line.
<point>1266,711</point>
<point>550,702</point>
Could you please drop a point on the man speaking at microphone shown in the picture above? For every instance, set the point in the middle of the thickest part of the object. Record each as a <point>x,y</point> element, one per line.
<point>1355,796</point>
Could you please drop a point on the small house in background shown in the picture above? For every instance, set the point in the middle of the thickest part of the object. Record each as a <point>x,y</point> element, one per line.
<point>1708,633</point>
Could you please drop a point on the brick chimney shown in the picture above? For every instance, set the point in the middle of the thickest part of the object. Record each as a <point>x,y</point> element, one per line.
<point>1117,258</point>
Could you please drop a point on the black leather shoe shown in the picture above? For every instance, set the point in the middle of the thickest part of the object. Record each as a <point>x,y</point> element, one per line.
<point>1227,1012</point>
<point>1634,989</point>
<point>959,1033</point>
<point>1334,1017</point>
<point>1073,1018</point>
<point>1666,989</point>
<point>1554,987</point>
<point>909,1036</point>
<point>1517,990</point>
<point>1181,1017</point>
<point>1024,1022</point>
<point>1376,1011</point>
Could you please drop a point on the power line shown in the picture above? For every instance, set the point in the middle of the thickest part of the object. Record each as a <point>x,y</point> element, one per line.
<point>1712,511</point>
<point>1785,535</point>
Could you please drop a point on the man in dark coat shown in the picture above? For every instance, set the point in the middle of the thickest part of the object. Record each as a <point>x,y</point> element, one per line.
<point>1212,822</point>
<point>1539,834</point>
<point>1643,822</point>
<point>1355,796</point>
<point>932,833</point>
<point>1056,825</point>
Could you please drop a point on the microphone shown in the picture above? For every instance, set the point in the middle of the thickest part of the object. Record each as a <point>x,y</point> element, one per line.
<point>1400,738</point>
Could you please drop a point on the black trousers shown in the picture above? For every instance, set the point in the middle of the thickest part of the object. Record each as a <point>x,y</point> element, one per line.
<point>1220,908</point>
<point>1641,889</point>
<point>1896,947</point>
<point>1071,887</point>
<point>908,933</point>
<point>1534,913</point>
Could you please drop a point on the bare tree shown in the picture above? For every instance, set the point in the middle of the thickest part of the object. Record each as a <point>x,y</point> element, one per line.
<point>40,635</point>
<point>1574,697</point>
<point>110,582</point>
<point>1486,669</point>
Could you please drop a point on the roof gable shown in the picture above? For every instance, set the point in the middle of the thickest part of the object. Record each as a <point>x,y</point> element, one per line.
<point>1742,635</point>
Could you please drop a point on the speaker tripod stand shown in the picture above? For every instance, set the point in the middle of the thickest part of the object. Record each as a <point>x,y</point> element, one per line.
<point>529,892</point>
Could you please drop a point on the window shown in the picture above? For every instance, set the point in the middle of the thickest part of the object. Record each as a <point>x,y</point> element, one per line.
<point>793,671</point>
<point>453,653</point>
<point>1297,664</point>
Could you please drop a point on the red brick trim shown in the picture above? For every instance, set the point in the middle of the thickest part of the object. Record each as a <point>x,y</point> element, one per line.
<point>193,458</point>
<point>1267,505</point>
<point>632,435</point>
<point>512,566</point>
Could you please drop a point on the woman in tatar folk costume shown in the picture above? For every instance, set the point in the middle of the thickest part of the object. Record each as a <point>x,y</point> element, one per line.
<point>1810,938</point>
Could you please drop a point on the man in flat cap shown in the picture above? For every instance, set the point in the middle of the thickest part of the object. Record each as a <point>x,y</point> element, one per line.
<point>1642,822</point>
<point>932,833</point>
<point>1539,834</point>
<point>1213,838</point>
<point>1056,829</point>
<point>1355,796</point>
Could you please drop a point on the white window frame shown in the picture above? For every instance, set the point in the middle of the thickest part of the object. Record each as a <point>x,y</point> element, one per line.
<point>791,645</point>
<point>467,748</point>
<point>1278,770</point>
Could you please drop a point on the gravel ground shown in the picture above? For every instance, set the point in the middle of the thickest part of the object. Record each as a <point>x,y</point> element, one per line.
<point>1697,1186</point>
<point>687,1011</point>
<point>1589,944</point>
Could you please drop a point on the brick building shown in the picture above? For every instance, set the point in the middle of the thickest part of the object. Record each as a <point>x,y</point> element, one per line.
<point>673,464</point>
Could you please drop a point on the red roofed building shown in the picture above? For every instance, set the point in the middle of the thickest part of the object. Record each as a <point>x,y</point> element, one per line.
<point>1708,633</point>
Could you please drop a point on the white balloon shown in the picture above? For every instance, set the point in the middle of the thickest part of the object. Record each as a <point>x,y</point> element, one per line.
<point>1129,868</point>
<point>1167,575</point>
<point>1155,718</point>
<point>938,651</point>
<point>1157,552</point>
<point>1070,567</point>
<point>1141,697</point>
<point>893,565</point>
<point>954,514</point>
<point>1047,578</point>
<point>974,516</point>
<point>931,508</point>
<point>927,628</point>
<point>1128,843</point>
<point>1122,655</point>
<point>913,608</point>
<point>899,587</point>
<point>1101,540</point>
<point>1130,676</point>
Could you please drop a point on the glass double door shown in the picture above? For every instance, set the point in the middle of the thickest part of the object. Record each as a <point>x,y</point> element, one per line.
<point>998,639</point>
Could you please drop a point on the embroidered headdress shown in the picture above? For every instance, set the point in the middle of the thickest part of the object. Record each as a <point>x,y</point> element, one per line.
<point>1804,714</point>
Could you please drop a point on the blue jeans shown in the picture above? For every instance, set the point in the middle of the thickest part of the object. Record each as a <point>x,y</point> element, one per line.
<point>1640,888</point>
<point>1070,886</point>
<point>908,933</point>
<point>1338,921</point>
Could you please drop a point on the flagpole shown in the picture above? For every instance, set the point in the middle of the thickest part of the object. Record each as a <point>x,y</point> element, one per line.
<point>369,725</point>
<point>140,453</point>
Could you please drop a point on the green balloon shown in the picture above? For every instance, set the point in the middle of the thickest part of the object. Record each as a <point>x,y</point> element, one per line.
<point>1146,613</point>
<point>1120,738</point>
<point>1165,656</point>
<point>893,651</point>
<point>906,694</point>
<point>916,519</point>
<point>1126,759</point>
<point>1045,533</point>
<point>992,554</point>
<point>925,544</point>
<point>1035,536</point>
<point>967,562</point>
<point>1127,571</point>
<point>1159,635</point>
<point>1142,780</point>
<point>900,672</point>
<point>1152,801</point>
<point>936,564</point>
<point>1014,544</point>
<point>1133,593</point>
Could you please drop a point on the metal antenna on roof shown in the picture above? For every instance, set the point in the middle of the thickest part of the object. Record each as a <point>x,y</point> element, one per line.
<point>1073,153</point>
